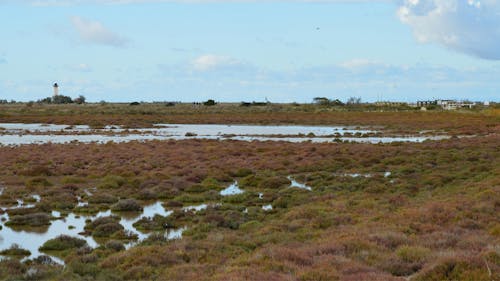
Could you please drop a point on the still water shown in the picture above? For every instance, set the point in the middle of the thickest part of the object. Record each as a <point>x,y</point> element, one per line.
<point>19,134</point>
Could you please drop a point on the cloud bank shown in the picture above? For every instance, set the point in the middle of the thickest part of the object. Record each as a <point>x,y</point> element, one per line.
<point>468,26</point>
<point>95,33</point>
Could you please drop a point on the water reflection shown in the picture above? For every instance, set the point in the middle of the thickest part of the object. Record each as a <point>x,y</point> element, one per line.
<point>267,207</point>
<point>72,225</point>
<point>18,134</point>
<point>298,185</point>
<point>196,208</point>
<point>233,189</point>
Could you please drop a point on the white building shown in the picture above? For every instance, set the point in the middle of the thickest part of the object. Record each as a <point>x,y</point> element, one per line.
<point>453,104</point>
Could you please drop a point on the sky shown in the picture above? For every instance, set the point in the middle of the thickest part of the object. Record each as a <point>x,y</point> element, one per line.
<point>235,50</point>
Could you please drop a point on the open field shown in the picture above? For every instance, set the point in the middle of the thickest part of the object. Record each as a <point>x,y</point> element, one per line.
<point>354,211</point>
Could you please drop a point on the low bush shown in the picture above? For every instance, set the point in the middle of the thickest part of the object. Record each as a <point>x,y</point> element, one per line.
<point>242,172</point>
<point>127,205</point>
<point>104,226</point>
<point>106,230</point>
<point>63,242</point>
<point>274,182</point>
<point>115,245</point>
<point>147,194</point>
<point>15,251</point>
<point>39,181</point>
<point>412,253</point>
<point>103,199</point>
<point>112,182</point>
<point>101,220</point>
<point>36,219</point>
<point>151,224</point>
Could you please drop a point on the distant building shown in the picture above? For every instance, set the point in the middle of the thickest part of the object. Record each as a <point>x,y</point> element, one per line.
<point>426,103</point>
<point>446,104</point>
<point>56,90</point>
<point>453,104</point>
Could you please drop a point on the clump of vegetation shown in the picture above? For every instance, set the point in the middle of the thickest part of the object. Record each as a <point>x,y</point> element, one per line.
<point>274,182</point>
<point>115,245</point>
<point>36,219</point>
<point>104,226</point>
<point>62,243</point>
<point>242,172</point>
<point>106,230</point>
<point>38,181</point>
<point>15,251</point>
<point>102,198</point>
<point>412,253</point>
<point>127,205</point>
<point>209,102</point>
<point>156,223</point>
<point>112,182</point>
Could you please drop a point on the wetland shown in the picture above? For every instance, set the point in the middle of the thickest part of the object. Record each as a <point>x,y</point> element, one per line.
<point>241,201</point>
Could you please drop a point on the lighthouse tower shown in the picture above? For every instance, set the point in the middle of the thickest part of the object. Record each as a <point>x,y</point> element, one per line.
<point>56,90</point>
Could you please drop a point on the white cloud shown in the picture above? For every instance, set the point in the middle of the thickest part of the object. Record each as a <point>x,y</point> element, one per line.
<point>94,32</point>
<point>467,26</point>
<point>211,62</point>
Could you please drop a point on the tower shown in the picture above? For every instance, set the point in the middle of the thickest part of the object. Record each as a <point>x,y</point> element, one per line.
<point>56,90</point>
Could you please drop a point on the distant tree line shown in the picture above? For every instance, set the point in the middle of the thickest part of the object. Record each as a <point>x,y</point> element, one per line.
<point>248,104</point>
<point>61,99</point>
<point>336,102</point>
<point>6,101</point>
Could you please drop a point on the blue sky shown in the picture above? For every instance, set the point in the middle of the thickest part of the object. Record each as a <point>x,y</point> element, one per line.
<point>125,50</point>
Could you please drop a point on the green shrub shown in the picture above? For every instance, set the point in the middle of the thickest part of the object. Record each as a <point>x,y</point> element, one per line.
<point>15,251</point>
<point>115,245</point>
<point>43,182</point>
<point>155,223</point>
<point>106,230</point>
<point>495,230</point>
<point>412,253</point>
<point>91,225</point>
<point>63,242</point>
<point>251,225</point>
<point>463,269</point>
<point>103,199</point>
<point>112,182</point>
<point>242,172</point>
<point>274,182</point>
<point>36,219</point>
<point>127,205</point>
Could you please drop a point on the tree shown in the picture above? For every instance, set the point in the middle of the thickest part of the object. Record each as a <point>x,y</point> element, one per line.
<point>60,99</point>
<point>321,101</point>
<point>354,100</point>
<point>79,100</point>
<point>209,102</point>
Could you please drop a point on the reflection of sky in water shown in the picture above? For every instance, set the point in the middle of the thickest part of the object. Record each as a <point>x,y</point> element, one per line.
<point>17,134</point>
<point>298,184</point>
<point>196,208</point>
<point>267,207</point>
<point>32,240</point>
<point>233,189</point>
